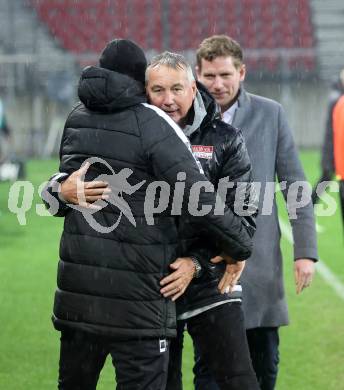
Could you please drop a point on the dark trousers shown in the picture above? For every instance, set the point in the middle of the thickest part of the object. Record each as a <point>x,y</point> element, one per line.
<point>139,364</point>
<point>219,337</point>
<point>263,344</point>
<point>325,176</point>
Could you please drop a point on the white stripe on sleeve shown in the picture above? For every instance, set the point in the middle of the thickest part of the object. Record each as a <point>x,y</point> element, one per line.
<point>177,129</point>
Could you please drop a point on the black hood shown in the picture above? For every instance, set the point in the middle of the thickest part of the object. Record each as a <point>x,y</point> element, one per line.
<point>212,108</point>
<point>107,91</point>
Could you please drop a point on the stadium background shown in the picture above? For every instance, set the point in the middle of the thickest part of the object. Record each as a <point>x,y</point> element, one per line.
<point>293,51</point>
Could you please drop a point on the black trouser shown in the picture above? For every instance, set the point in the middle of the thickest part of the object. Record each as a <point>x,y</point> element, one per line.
<point>325,176</point>
<point>140,364</point>
<point>219,337</point>
<point>263,344</point>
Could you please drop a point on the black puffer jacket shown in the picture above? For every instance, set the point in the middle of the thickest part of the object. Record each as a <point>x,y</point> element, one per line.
<point>108,283</point>
<point>222,152</point>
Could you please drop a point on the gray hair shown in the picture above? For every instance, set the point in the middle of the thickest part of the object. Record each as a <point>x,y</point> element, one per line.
<point>171,60</point>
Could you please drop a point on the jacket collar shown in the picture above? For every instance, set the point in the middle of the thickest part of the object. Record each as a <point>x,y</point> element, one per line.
<point>243,102</point>
<point>199,112</point>
<point>210,105</point>
<point>243,97</point>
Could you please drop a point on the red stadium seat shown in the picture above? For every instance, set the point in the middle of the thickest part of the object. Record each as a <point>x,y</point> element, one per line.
<point>85,26</point>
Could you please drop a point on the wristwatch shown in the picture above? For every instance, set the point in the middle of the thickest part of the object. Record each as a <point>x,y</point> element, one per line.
<point>198,267</point>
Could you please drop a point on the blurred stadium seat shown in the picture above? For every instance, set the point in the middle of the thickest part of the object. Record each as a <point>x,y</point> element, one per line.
<point>86,26</point>
<point>270,26</point>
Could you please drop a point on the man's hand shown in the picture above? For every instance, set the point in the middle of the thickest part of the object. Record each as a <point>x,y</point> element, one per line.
<point>232,273</point>
<point>303,271</point>
<point>76,191</point>
<point>176,283</point>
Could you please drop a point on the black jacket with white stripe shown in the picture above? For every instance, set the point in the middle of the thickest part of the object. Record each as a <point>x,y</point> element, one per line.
<point>108,282</point>
<point>222,152</point>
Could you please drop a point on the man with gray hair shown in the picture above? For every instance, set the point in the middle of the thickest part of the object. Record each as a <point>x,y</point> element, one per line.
<point>213,318</point>
<point>211,305</point>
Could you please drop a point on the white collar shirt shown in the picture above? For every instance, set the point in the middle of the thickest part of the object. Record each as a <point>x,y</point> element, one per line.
<point>228,115</point>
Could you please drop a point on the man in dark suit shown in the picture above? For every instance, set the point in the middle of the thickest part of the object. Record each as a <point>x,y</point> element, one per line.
<point>273,153</point>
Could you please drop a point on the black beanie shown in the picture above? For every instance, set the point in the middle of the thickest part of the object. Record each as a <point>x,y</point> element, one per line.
<point>124,56</point>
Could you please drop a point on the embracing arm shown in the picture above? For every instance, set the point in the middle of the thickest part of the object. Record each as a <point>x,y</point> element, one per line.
<point>169,156</point>
<point>50,195</point>
<point>236,168</point>
<point>71,189</point>
<point>240,196</point>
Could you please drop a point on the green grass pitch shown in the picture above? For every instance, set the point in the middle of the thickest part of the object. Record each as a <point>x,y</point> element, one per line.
<point>312,347</point>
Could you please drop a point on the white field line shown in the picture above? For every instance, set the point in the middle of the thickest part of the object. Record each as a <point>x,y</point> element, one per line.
<point>329,277</point>
<point>319,228</point>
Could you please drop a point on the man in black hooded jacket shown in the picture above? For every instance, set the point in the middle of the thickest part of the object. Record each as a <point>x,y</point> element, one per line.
<point>214,319</point>
<point>108,298</point>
